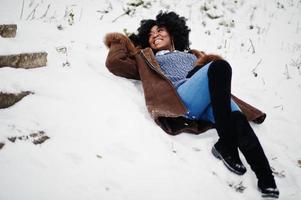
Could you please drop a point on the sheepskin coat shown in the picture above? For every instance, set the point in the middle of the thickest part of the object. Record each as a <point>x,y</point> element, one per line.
<point>162,100</point>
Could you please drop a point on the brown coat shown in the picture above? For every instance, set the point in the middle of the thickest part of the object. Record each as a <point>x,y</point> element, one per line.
<point>162,100</point>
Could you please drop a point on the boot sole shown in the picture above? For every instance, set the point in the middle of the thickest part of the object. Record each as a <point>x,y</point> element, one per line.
<point>219,156</point>
<point>271,196</point>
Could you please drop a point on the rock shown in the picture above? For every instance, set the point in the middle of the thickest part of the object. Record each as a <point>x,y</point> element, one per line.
<point>36,137</point>
<point>8,30</point>
<point>24,60</point>
<point>213,16</point>
<point>12,139</point>
<point>1,145</point>
<point>41,139</point>
<point>9,99</point>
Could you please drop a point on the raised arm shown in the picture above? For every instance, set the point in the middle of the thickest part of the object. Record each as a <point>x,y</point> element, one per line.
<point>121,57</point>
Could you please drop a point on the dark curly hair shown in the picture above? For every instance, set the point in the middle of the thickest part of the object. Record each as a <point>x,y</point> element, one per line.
<point>175,25</point>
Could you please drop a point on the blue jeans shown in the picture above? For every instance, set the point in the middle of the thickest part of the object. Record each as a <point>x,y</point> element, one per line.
<point>196,97</point>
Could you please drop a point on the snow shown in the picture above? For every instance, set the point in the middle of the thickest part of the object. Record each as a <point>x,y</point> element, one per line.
<point>103,143</point>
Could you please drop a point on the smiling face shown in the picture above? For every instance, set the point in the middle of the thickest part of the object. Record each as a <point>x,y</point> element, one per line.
<point>159,39</point>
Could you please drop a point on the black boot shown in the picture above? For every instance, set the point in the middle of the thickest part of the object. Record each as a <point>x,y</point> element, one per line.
<point>251,148</point>
<point>268,191</point>
<point>232,162</point>
<point>219,78</point>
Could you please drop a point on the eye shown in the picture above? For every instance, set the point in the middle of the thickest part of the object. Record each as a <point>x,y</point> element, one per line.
<point>150,35</point>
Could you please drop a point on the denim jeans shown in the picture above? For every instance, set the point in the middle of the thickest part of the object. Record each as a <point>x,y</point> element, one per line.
<point>196,97</point>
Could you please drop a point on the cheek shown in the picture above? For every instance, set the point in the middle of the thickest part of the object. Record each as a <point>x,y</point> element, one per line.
<point>167,41</point>
<point>150,42</point>
<point>167,38</point>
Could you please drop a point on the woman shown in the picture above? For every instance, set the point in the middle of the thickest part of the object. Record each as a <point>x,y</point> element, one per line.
<point>190,92</point>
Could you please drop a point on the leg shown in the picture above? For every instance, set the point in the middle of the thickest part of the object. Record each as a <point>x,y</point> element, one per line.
<point>251,148</point>
<point>208,113</point>
<point>219,75</point>
<point>196,95</point>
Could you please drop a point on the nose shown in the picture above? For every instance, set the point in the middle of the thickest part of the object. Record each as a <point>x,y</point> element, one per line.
<point>154,34</point>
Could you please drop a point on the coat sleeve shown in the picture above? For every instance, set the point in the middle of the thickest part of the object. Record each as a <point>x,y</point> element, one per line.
<point>203,58</point>
<point>121,60</point>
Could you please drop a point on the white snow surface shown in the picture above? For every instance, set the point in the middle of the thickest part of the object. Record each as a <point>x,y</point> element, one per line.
<point>103,143</point>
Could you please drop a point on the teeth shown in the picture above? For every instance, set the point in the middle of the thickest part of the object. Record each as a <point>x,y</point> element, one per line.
<point>157,41</point>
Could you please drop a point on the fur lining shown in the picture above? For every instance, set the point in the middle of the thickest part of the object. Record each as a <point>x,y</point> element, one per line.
<point>122,39</point>
<point>197,53</point>
<point>203,58</point>
<point>206,58</point>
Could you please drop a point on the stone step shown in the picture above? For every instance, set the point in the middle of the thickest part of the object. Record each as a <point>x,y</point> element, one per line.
<point>24,60</point>
<point>8,30</point>
<point>9,99</point>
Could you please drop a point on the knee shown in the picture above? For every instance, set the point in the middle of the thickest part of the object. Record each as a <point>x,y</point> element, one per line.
<point>221,67</point>
<point>238,115</point>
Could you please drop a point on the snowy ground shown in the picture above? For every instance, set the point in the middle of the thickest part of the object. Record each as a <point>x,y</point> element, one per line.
<point>103,143</point>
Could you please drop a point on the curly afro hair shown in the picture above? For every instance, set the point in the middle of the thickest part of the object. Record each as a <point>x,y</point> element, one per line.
<point>141,39</point>
<point>175,25</point>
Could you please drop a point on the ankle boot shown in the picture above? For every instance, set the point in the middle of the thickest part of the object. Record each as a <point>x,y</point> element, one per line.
<point>268,189</point>
<point>230,160</point>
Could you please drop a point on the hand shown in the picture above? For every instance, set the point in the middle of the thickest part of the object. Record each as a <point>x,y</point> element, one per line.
<point>121,39</point>
<point>206,58</point>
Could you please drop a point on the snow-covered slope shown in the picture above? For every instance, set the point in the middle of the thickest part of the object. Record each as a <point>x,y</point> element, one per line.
<point>103,143</point>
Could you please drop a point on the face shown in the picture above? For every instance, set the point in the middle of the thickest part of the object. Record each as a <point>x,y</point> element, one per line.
<point>159,39</point>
